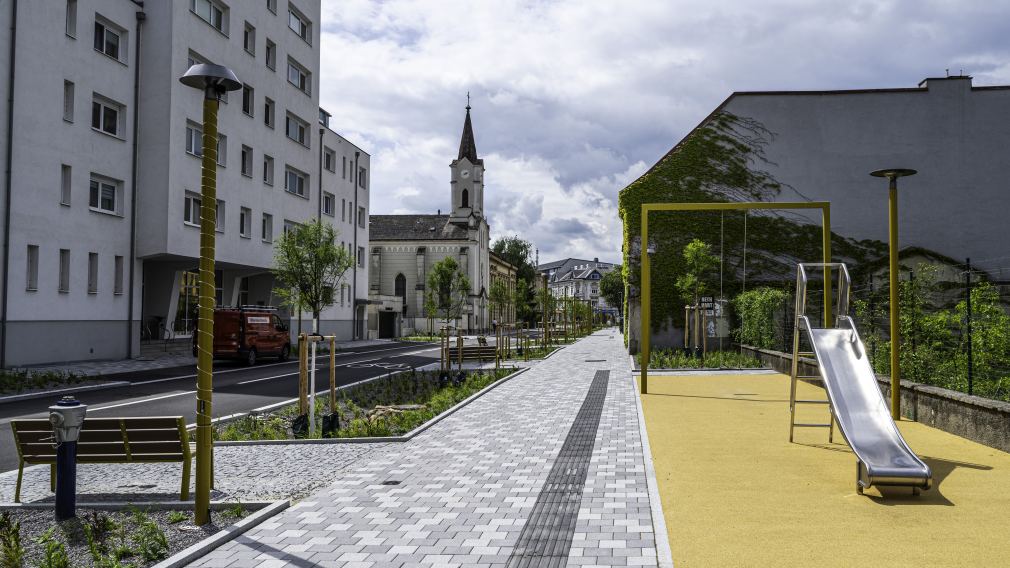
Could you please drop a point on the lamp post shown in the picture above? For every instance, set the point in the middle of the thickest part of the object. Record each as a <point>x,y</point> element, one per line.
<point>213,80</point>
<point>892,176</point>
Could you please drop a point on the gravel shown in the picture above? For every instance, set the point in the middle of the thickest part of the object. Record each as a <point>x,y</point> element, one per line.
<point>180,535</point>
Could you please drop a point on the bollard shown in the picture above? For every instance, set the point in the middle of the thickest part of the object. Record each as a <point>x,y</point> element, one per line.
<point>67,417</point>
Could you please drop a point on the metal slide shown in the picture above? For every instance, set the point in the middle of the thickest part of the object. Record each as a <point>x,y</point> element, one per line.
<point>855,400</point>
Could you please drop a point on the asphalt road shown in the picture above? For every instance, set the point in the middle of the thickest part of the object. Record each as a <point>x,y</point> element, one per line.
<point>171,392</point>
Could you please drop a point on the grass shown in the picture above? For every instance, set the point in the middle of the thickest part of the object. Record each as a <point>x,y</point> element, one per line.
<point>421,338</point>
<point>389,406</point>
<point>15,381</point>
<point>677,359</point>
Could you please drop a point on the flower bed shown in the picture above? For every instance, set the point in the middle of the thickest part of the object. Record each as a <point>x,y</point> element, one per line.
<point>677,359</point>
<point>19,381</point>
<point>388,406</point>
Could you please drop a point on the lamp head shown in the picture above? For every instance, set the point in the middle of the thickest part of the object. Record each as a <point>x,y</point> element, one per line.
<point>893,173</point>
<point>207,76</point>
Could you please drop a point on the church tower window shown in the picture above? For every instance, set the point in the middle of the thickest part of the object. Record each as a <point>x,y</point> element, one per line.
<point>466,198</point>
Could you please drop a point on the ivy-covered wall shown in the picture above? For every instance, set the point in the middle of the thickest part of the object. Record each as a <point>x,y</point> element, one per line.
<point>721,161</point>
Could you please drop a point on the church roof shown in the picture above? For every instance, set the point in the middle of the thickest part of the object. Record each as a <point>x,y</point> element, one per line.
<point>467,144</point>
<point>414,228</point>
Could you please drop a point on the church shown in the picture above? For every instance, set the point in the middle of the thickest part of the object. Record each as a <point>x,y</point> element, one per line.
<point>404,247</point>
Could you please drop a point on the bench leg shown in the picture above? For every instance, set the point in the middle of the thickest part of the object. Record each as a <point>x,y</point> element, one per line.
<point>17,488</point>
<point>184,494</point>
<point>52,478</point>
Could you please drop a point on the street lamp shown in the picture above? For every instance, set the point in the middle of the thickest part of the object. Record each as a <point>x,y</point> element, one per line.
<point>892,176</point>
<point>213,80</point>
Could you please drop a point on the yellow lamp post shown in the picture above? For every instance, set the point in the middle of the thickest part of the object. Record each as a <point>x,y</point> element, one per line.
<point>892,176</point>
<point>213,80</point>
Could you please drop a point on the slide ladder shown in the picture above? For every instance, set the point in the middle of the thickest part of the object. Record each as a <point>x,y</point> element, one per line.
<point>854,400</point>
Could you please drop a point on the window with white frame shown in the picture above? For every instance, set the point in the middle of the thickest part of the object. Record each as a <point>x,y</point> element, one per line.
<point>249,38</point>
<point>296,129</point>
<point>117,277</point>
<point>268,169</point>
<point>361,257</point>
<point>362,175</point>
<point>299,24</point>
<point>108,38</point>
<point>272,6</point>
<point>222,149</point>
<point>72,18</point>
<point>32,268</point>
<point>64,280</point>
<point>299,76</point>
<point>361,217</point>
<point>295,181</point>
<point>343,210</point>
<point>247,161</point>
<point>329,200</point>
<point>105,115</point>
<point>289,226</point>
<point>92,273</point>
<point>65,181</point>
<point>219,216</point>
<point>268,112</point>
<point>245,222</point>
<point>210,12</point>
<point>191,210</point>
<point>329,160</point>
<point>104,194</point>
<point>248,100</point>
<point>271,55</point>
<point>194,139</point>
<point>267,228</point>
<point>68,101</point>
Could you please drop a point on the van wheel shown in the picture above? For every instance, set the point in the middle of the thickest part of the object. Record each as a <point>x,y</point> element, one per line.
<point>250,358</point>
<point>285,352</point>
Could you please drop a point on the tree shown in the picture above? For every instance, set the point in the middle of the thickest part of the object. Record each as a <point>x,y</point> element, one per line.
<point>307,267</point>
<point>519,253</point>
<point>450,288</point>
<point>522,300</point>
<point>699,263</point>
<point>430,310</point>
<point>612,288</point>
<point>500,298</point>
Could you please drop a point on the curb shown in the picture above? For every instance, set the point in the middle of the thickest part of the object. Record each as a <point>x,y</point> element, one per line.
<point>48,393</point>
<point>689,371</point>
<point>375,440</point>
<point>215,540</point>
<point>664,554</point>
<point>148,505</point>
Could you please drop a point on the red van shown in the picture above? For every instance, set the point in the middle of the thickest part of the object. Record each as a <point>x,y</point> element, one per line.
<point>248,333</point>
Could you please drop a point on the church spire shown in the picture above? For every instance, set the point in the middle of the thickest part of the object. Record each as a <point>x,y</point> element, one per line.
<point>467,145</point>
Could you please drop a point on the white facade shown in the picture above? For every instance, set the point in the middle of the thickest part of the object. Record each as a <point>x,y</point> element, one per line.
<point>72,187</point>
<point>579,279</point>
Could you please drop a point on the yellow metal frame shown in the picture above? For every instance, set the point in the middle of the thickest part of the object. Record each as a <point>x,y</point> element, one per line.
<point>647,208</point>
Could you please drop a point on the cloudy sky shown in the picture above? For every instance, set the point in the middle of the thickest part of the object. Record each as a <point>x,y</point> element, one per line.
<point>572,100</point>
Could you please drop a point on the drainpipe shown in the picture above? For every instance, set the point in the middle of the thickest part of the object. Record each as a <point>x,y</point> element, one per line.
<point>319,212</point>
<point>141,17</point>
<point>354,273</point>
<point>8,185</point>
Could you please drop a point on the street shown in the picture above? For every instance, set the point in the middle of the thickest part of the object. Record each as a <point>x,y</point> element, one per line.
<point>171,392</point>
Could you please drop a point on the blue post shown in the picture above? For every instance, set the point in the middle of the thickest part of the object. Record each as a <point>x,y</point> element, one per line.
<point>67,417</point>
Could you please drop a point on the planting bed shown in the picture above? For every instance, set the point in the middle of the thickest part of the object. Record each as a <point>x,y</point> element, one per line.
<point>677,359</point>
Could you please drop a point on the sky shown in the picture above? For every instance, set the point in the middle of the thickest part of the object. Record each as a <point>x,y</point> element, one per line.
<point>573,100</point>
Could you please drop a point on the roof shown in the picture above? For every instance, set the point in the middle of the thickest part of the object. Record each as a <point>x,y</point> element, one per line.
<point>495,258</point>
<point>576,268</point>
<point>414,228</point>
<point>467,143</point>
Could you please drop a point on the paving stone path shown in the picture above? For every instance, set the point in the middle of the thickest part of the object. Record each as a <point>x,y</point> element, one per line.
<point>460,493</point>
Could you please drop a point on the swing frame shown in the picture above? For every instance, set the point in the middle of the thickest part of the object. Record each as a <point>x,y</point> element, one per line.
<point>646,300</point>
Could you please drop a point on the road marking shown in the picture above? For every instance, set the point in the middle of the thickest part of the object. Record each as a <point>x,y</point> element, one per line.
<point>267,378</point>
<point>143,400</point>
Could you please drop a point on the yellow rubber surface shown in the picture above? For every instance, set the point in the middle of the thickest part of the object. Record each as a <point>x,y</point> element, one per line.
<point>735,492</point>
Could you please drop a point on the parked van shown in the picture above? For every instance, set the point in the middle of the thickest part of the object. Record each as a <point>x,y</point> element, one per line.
<point>248,333</point>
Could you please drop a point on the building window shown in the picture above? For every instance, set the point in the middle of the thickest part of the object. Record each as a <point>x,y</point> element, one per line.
<point>105,115</point>
<point>267,228</point>
<point>268,170</point>
<point>361,257</point>
<point>104,195</point>
<point>219,216</point>
<point>72,18</point>
<point>289,226</point>
<point>272,6</point>
<point>299,77</point>
<point>296,129</point>
<point>271,55</point>
<point>191,210</point>
<point>248,100</point>
<point>362,175</point>
<point>107,39</point>
<point>117,280</point>
<point>329,200</point>
<point>247,161</point>
<point>466,199</point>
<point>64,270</point>
<point>361,217</point>
<point>299,24</point>
<point>32,268</point>
<point>268,112</point>
<point>343,167</point>
<point>210,12</point>
<point>65,180</point>
<point>222,149</point>
<point>92,273</point>
<point>249,39</point>
<point>295,181</point>
<point>245,222</point>
<point>194,139</point>
<point>330,160</point>
<point>68,101</point>
<point>343,210</point>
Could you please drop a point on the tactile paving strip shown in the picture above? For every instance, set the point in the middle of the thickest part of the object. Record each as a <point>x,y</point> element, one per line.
<point>547,536</point>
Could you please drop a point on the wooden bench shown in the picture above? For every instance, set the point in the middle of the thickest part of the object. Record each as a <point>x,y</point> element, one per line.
<point>473,353</point>
<point>152,439</point>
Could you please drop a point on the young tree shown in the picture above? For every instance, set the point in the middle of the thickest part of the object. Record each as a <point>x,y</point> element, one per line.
<point>612,288</point>
<point>430,310</point>
<point>308,265</point>
<point>521,299</point>
<point>450,287</point>
<point>500,298</point>
<point>699,262</point>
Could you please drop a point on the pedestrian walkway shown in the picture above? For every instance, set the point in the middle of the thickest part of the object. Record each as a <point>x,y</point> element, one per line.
<point>546,469</point>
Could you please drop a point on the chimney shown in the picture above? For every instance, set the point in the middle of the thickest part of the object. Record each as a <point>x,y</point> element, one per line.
<point>596,259</point>
<point>439,211</point>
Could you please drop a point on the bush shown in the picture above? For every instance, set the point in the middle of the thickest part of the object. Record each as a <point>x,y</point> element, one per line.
<point>677,359</point>
<point>757,316</point>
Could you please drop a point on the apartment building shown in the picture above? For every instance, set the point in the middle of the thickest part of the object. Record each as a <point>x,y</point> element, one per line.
<point>578,278</point>
<point>103,149</point>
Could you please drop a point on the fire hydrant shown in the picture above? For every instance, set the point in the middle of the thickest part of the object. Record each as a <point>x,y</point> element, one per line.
<point>67,417</point>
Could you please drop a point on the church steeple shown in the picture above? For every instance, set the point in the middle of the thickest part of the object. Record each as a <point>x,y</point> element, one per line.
<point>467,145</point>
<point>467,177</point>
